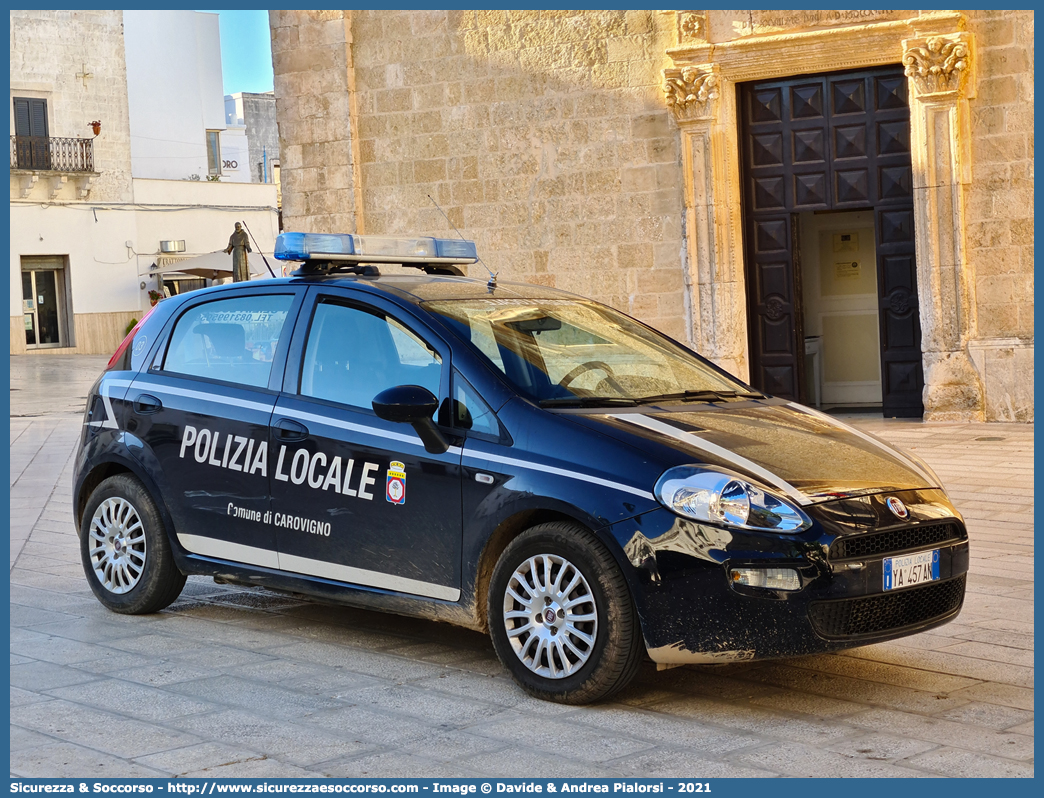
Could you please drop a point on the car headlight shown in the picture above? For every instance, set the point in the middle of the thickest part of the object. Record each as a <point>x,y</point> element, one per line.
<point>720,497</point>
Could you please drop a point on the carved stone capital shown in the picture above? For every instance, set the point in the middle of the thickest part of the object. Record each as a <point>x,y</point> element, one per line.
<point>938,65</point>
<point>690,92</point>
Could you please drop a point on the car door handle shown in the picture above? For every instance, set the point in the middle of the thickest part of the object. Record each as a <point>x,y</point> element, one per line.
<point>287,430</point>
<point>146,403</point>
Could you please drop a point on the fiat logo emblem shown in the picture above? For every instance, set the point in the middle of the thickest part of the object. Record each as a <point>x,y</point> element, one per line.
<point>897,507</point>
<point>550,616</point>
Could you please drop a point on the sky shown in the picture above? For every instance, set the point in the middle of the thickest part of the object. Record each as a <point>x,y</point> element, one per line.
<point>246,51</point>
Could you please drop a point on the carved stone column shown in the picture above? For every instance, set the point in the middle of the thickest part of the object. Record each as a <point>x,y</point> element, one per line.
<point>938,67</point>
<point>704,106</point>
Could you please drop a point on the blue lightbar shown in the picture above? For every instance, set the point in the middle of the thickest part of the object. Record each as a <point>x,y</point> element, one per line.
<point>373,249</point>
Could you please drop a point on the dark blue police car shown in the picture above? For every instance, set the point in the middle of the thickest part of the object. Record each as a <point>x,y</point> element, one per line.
<point>505,457</point>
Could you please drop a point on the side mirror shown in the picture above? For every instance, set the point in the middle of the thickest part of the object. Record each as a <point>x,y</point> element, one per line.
<point>412,404</point>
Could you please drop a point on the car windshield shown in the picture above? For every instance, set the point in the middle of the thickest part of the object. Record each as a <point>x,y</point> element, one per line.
<point>573,352</point>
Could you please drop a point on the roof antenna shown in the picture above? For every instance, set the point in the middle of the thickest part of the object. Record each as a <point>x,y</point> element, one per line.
<point>492,277</point>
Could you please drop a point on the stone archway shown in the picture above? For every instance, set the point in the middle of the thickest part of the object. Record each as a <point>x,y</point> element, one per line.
<point>700,88</point>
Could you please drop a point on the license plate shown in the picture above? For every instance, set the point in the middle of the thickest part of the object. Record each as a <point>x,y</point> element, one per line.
<point>911,569</point>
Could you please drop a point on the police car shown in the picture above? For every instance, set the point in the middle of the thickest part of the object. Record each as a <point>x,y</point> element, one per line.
<point>506,457</point>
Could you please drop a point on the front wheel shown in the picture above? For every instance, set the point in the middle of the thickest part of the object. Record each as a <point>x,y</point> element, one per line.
<point>561,616</point>
<point>124,549</point>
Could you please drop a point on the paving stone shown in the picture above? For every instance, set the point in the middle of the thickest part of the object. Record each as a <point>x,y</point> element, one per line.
<point>754,720</point>
<point>954,762</point>
<point>79,724</point>
<point>38,676</point>
<point>394,764</point>
<point>936,665</point>
<point>499,690</point>
<point>991,652</point>
<point>551,735</point>
<point>67,760</point>
<point>134,700</point>
<point>371,729</point>
<point>961,735</point>
<point>1022,728</point>
<point>809,704</point>
<point>863,690</point>
<point>21,739</point>
<point>796,759</point>
<point>86,630</point>
<point>880,746</point>
<point>433,707</point>
<point>661,762</point>
<point>657,728</point>
<point>1004,694</point>
<point>251,696</point>
<point>290,742</point>
<point>35,617</point>
<point>448,744</point>
<point>180,761</point>
<point>523,762</point>
<point>990,715</point>
<point>395,669</point>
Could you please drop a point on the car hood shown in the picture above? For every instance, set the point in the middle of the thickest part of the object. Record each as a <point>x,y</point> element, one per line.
<point>793,449</point>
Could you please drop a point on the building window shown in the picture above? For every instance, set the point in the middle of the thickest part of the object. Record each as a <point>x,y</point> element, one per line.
<point>32,150</point>
<point>214,152</point>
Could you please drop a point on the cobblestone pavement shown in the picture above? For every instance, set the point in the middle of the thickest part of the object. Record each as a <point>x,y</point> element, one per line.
<point>236,682</point>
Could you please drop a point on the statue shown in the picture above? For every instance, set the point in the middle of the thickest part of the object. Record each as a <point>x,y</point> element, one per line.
<point>239,246</point>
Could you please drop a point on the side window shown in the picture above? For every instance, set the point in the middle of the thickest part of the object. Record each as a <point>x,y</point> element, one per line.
<point>229,339</point>
<point>470,412</point>
<point>352,355</point>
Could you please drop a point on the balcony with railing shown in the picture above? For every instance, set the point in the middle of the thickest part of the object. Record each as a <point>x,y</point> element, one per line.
<point>52,155</point>
<point>53,159</point>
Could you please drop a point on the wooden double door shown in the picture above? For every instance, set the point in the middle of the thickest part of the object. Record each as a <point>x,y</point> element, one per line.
<point>833,142</point>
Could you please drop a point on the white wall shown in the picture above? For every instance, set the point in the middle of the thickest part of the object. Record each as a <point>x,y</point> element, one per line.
<point>208,66</point>
<point>102,270</point>
<point>207,217</point>
<point>234,109</point>
<point>235,156</point>
<point>174,91</point>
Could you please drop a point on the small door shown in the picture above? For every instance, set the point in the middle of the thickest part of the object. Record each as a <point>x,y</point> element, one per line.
<point>43,309</point>
<point>357,499</point>
<point>203,410</point>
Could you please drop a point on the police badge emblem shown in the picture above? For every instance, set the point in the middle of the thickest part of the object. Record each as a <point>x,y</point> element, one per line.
<point>396,489</point>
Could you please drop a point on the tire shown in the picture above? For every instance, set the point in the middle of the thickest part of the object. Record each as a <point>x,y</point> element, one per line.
<point>589,645</point>
<point>125,551</point>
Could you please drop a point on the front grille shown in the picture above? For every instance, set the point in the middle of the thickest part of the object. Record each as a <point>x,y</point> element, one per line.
<point>915,537</point>
<point>874,614</point>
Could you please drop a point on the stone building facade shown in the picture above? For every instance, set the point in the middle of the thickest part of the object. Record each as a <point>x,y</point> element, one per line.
<point>666,163</point>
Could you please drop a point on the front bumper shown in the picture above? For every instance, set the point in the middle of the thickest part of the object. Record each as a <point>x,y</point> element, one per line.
<point>692,612</point>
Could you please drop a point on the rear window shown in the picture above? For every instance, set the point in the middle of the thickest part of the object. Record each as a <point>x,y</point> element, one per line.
<point>233,340</point>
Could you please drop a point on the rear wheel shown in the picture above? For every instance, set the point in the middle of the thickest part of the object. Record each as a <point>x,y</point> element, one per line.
<point>124,549</point>
<point>561,616</point>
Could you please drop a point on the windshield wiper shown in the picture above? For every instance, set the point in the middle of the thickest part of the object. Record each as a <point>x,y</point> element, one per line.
<point>588,401</point>
<point>698,396</point>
